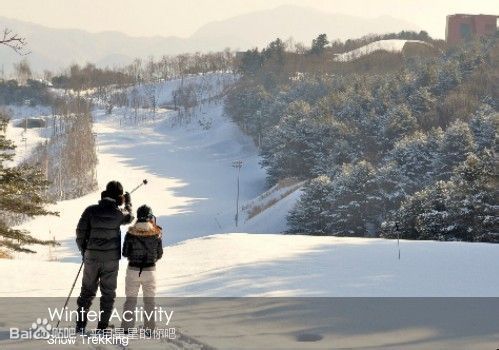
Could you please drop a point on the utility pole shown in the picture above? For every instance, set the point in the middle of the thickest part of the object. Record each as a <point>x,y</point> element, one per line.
<point>25,133</point>
<point>237,164</point>
<point>60,172</point>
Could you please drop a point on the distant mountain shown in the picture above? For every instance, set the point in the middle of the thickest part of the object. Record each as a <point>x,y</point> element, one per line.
<point>302,23</point>
<point>54,49</point>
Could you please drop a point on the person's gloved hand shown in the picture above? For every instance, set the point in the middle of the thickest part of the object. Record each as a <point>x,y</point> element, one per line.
<point>128,199</point>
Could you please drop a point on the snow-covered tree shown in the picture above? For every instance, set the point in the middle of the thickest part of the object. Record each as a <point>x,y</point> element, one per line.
<point>398,122</point>
<point>457,142</point>
<point>422,103</point>
<point>483,127</point>
<point>285,149</point>
<point>21,194</point>
<point>310,213</point>
<point>449,76</point>
<point>463,208</point>
<point>414,156</point>
<point>414,127</point>
<point>354,203</point>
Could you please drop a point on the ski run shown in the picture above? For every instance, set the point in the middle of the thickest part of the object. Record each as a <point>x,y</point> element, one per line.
<point>192,190</point>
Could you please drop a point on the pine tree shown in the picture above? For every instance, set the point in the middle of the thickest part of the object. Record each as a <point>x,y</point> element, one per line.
<point>448,77</point>
<point>398,122</point>
<point>474,200</point>
<point>483,127</point>
<point>21,194</point>
<point>319,44</point>
<point>414,156</point>
<point>457,142</point>
<point>423,105</point>
<point>354,201</point>
<point>393,186</point>
<point>309,214</point>
<point>462,208</point>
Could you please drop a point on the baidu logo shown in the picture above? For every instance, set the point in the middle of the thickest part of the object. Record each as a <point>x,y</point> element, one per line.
<point>41,329</point>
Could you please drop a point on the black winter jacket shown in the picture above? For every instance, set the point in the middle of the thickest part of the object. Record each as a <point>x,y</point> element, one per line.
<point>143,246</point>
<point>98,233</point>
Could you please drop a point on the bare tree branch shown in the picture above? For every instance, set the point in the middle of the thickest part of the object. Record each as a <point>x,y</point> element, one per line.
<point>14,41</point>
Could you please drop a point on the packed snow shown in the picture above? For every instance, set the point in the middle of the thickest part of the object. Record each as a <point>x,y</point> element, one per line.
<point>390,45</point>
<point>192,190</point>
<point>242,264</point>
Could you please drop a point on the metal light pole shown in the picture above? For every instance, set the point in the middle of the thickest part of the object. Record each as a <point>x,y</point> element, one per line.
<point>238,165</point>
<point>25,134</point>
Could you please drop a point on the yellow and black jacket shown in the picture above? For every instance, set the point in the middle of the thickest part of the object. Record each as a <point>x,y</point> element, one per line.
<point>143,245</point>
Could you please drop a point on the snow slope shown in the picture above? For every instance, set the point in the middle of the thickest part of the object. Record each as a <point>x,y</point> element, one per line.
<point>192,188</point>
<point>206,86</point>
<point>390,45</point>
<point>241,264</point>
<point>192,185</point>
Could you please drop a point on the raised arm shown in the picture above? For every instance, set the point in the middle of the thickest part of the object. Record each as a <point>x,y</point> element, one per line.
<point>127,211</point>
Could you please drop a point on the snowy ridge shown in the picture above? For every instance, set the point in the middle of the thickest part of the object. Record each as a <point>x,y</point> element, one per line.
<point>390,45</point>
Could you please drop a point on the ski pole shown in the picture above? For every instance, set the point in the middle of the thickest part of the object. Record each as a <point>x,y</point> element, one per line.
<point>71,291</point>
<point>144,182</point>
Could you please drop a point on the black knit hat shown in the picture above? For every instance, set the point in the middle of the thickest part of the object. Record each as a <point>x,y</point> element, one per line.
<point>114,190</point>
<point>144,213</point>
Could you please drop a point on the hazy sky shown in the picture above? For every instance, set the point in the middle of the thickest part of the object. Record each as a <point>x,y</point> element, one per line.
<point>183,17</point>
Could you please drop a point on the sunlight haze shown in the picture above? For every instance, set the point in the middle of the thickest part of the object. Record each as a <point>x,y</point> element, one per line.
<point>183,18</point>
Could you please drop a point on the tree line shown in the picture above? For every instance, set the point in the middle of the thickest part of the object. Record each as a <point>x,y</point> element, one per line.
<point>405,151</point>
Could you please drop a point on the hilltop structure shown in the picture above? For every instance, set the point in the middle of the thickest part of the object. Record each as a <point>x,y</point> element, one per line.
<point>461,27</point>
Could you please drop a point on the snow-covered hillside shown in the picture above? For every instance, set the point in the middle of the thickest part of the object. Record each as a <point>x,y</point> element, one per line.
<point>390,45</point>
<point>192,190</point>
<point>206,86</point>
<point>192,184</point>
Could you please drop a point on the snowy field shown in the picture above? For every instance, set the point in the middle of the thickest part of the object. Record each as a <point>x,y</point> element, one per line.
<point>192,190</point>
<point>240,264</point>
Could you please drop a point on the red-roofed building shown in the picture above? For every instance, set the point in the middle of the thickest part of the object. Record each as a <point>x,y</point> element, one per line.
<point>462,27</point>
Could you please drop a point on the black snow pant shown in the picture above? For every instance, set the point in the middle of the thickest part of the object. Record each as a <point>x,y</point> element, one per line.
<point>103,274</point>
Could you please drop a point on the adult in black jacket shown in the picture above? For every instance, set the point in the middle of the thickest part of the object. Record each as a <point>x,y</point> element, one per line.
<point>98,237</point>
